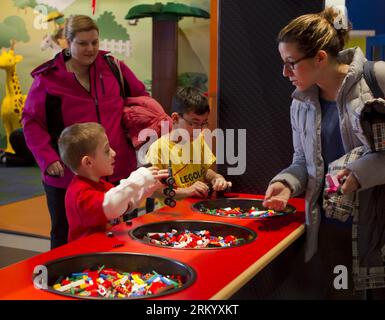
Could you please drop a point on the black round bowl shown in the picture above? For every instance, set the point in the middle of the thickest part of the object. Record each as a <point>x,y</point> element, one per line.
<point>215,228</point>
<point>126,262</point>
<point>244,204</point>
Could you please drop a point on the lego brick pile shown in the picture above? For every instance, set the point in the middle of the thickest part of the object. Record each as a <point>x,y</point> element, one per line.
<point>192,239</point>
<point>113,284</point>
<point>242,213</point>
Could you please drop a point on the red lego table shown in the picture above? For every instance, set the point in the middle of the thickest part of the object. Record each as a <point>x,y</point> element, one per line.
<point>220,272</point>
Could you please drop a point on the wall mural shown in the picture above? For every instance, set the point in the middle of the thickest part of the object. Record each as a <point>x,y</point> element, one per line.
<point>13,102</point>
<point>33,31</point>
<point>12,30</point>
<point>113,36</point>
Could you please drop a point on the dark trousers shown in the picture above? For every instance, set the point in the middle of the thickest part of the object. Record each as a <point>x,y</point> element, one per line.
<point>334,249</point>
<point>56,206</point>
<point>316,278</point>
<point>150,205</point>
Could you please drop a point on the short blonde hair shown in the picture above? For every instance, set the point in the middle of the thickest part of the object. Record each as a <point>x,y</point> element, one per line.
<point>78,23</point>
<point>315,32</point>
<point>79,140</point>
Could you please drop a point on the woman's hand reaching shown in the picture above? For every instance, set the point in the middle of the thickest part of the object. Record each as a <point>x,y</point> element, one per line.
<point>277,196</point>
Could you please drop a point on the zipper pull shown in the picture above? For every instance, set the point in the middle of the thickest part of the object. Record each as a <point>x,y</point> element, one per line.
<point>102,84</point>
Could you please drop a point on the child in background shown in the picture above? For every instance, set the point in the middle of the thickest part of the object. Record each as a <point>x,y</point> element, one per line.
<point>190,110</point>
<point>91,201</point>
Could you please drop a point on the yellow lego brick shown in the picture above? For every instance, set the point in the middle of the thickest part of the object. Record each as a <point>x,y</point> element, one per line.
<point>137,279</point>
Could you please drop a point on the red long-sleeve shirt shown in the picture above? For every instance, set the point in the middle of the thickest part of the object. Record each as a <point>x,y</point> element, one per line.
<point>84,207</point>
<point>90,204</point>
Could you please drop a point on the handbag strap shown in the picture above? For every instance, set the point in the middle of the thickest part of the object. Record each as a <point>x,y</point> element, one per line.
<point>371,79</point>
<point>114,65</point>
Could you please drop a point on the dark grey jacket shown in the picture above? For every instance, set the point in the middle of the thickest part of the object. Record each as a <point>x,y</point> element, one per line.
<point>306,173</point>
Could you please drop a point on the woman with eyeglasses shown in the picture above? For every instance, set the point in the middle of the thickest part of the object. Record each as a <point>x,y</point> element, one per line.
<point>329,89</point>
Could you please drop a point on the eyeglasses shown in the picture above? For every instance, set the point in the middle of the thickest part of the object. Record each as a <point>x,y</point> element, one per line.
<point>291,65</point>
<point>195,124</point>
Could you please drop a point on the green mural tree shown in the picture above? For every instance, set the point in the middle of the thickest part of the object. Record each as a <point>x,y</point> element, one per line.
<point>12,29</point>
<point>24,4</point>
<point>165,18</point>
<point>193,79</point>
<point>110,29</point>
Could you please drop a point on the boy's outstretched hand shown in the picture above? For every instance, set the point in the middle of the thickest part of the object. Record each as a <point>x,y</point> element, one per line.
<point>158,174</point>
<point>276,197</point>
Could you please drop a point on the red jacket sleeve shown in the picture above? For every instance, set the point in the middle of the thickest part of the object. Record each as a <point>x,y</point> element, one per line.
<point>142,113</point>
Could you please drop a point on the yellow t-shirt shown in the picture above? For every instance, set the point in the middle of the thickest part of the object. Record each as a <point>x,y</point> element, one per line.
<point>189,161</point>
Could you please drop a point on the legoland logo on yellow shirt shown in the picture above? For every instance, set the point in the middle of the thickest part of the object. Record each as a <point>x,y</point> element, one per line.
<point>189,175</point>
<point>189,162</point>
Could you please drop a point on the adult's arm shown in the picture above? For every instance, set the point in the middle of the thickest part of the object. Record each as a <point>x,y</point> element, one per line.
<point>35,126</point>
<point>379,72</point>
<point>296,174</point>
<point>370,168</point>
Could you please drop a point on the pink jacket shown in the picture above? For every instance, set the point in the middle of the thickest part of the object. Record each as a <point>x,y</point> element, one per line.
<point>57,100</point>
<point>143,113</point>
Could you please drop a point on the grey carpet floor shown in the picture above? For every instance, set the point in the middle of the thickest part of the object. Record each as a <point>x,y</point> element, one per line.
<point>11,255</point>
<point>19,183</point>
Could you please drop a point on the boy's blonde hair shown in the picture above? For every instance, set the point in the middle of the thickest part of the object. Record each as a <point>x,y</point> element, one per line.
<point>78,23</point>
<point>314,32</point>
<point>79,140</point>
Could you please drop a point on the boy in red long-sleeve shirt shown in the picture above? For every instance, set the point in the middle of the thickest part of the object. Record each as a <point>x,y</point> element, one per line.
<point>91,201</point>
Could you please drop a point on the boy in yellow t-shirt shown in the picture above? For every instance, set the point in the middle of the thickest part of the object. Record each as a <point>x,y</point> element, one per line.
<point>191,158</point>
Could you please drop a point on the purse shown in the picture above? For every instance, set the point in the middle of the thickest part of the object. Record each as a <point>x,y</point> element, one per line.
<point>372,121</point>
<point>336,205</point>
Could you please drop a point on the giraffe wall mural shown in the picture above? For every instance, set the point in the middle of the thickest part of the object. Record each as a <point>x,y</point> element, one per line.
<point>13,102</point>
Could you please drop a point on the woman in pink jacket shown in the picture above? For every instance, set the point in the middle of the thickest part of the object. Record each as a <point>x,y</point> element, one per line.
<point>79,85</point>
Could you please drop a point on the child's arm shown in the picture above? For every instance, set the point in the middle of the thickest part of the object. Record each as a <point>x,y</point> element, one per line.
<point>131,191</point>
<point>198,189</point>
<point>218,182</point>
